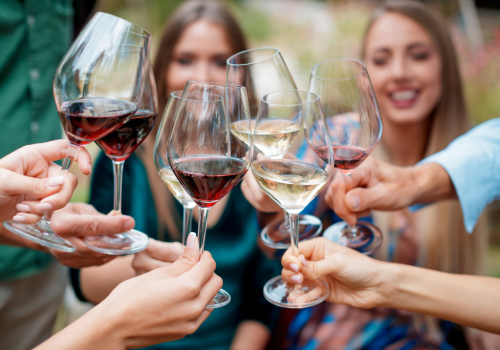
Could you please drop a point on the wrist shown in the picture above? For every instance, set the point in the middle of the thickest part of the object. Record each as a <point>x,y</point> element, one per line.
<point>103,329</point>
<point>389,289</point>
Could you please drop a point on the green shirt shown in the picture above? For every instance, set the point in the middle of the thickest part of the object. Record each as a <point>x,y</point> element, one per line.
<point>34,36</point>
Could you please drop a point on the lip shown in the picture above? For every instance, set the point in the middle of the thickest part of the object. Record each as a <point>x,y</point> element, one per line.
<point>405,103</point>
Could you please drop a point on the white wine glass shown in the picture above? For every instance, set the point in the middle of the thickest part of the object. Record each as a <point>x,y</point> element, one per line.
<point>262,71</point>
<point>295,179</point>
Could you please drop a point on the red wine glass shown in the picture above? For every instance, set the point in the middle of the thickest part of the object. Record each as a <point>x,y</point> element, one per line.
<point>97,87</point>
<point>118,146</point>
<point>294,179</point>
<point>355,128</point>
<point>162,165</point>
<point>206,158</point>
<point>262,71</point>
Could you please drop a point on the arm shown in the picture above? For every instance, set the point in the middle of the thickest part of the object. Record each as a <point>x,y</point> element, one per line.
<point>358,280</point>
<point>250,335</point>
<point>163,305</point>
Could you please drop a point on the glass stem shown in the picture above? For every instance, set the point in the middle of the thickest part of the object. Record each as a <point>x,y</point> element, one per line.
<point>352,232</point>
<point>118,176</point>
<point>286,220</point>
<point>202,227</point>
<point>71,154</point>
<point>186,223</point>
<point>294,233</point>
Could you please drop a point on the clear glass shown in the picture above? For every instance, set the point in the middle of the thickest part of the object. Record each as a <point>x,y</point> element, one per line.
<point>97,87</point>
<point>262,71</point>
<point>162,165</point>
<point>295,178</point>
<point>118,146</point>
<point>355,128</point>
<point>206,158</point>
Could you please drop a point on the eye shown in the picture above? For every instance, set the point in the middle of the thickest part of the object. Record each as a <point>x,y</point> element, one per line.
<point>184,61</point>
<point>379,61</point>
<point>220,63</point>
<point>420,56</point>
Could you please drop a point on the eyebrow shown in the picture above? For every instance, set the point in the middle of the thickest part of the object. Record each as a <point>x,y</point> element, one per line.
<point>409,47</point>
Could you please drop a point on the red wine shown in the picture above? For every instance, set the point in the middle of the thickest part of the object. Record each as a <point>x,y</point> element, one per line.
<point>346,157</point>
<point>88,119</point>
<point>208,178</point>
<point>122,142</point>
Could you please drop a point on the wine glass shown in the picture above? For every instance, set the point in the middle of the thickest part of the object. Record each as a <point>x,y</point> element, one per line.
<point>295,179</point>
<point>97,87</point>
<point>163,166</point>
<point>118,146</point>
<point>207,160</point>
<point>353,119</point>
<point>261,71</point>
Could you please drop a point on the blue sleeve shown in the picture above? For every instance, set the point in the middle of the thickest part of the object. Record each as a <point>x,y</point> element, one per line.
<point>473,163</point>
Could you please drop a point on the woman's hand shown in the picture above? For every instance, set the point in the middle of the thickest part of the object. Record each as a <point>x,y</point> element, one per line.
<point>160,306</point>
<point>354,279</point>
<point>31,184</point>
<point>157,254</point>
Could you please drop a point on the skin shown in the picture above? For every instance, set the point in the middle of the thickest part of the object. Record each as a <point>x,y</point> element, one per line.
<point>404,60</point>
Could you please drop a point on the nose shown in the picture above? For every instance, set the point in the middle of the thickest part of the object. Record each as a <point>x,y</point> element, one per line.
<point>202,71</point>
<point>399,68</point>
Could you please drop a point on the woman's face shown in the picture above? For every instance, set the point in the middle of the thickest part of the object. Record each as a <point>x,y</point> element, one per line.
<point>404,67</point>
<point>200,54</point>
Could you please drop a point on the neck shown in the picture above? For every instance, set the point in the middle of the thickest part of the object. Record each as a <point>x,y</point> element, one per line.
<point>405,143</point>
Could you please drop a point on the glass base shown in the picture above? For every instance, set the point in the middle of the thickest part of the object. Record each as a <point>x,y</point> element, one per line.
<point>42,235</point>
<point>367,239</point>
<point>295,296</point>
<point>277,235</point>
<point>129,242</point>
<point>222,298</point>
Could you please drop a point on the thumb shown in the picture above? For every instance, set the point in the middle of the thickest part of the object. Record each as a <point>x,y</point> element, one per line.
<point>316,269</point>
<point>188,258</point>
<point>360,199</point>
<point>35,187</point>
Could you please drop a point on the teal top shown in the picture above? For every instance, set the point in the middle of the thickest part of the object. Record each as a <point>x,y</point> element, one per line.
<point>34,36</point>
<point>232,242</point>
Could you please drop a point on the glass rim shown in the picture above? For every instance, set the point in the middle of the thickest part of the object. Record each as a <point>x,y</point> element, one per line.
<point>219,99</point>
<point>140,29</point>
<point>290,104</point>
<point>339,59</point>
<point>235,86</point>
<point>174,94</point>
<point>110,48</point>
<point>257,49</point>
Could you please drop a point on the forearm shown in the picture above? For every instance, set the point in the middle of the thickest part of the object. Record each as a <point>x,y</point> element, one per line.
<point>250,335</point>
<point>97,282</point>
<point>430,183</point>
<point>472,301</point>
<point>94,330</point>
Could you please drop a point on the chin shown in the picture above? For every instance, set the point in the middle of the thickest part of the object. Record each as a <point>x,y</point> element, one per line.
<point>407,117</point>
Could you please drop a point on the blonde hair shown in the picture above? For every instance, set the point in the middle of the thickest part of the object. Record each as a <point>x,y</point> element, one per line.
<point>186,14</point>
<point>445,244</point>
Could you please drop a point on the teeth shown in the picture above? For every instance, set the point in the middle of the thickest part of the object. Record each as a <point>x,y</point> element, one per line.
<point>404,95</point>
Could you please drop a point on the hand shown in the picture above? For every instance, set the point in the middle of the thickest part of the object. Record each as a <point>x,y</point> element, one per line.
<point>257,198</point>
<point>77,220</point>
<point>375,185</point>
<point>157,254</point>
<point>31,184</point>
<point>354,279</point>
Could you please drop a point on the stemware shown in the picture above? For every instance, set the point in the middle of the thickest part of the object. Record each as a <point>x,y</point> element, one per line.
<point>163,166</point>
<point>355,128</point>
<point>118,146</point>
<point>294,180</point>
<point>207,160</point>
<point>97,87</point>
<point>262,71</point>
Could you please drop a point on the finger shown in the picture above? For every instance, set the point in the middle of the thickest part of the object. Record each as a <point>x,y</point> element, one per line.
<point>362,199</point>
<point>27,218</point>
<point>72,224</point>
<point>202,271</point>
<point>188,259</point>
<point>61,198</point>
<point>210,289</point>
<point>144,265</point>
<point>14,184</point>
<point>312,295</point>
<point>339,188</point>
<point>164,251</point>
<point>84,161</point>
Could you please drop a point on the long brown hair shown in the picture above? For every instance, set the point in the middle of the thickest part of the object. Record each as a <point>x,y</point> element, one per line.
<point>185,15</point>
<point>445,244</point>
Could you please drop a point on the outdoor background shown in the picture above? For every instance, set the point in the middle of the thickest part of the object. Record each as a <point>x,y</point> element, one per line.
<point>310,31</point>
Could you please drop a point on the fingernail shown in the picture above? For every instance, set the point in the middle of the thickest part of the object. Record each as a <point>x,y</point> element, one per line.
<point>304,261</point>
<point>296,279</point>
<point>294,267</point>
<point>55,181</point>
<point>23,207</point>
<point>129,224</point>
<point>44,207</point>
<point>191,240</point>
<point>19,218</point>
<point>355,201</point>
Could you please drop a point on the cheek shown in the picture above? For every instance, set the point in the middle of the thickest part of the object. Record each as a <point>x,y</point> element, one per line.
<point>431,76</point>
<point>177,76</point>
<point>217,74</point>
<point>379,78</point>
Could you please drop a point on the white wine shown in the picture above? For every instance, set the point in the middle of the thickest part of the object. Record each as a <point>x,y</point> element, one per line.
<point>272,137</point>
<point>290,183</point>
<point>168,177</point>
